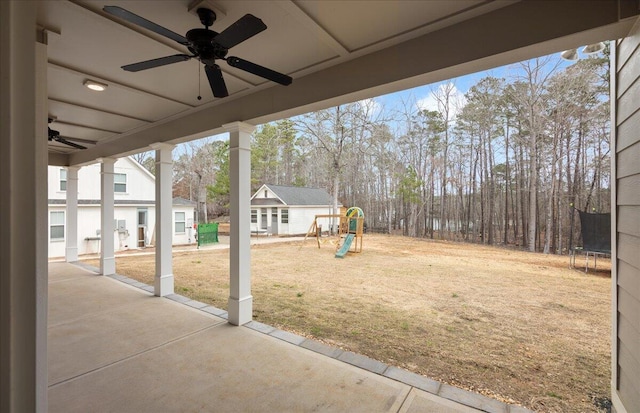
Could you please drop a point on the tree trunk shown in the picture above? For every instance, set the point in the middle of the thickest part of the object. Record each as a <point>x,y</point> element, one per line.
<point>336,211</point>
<point>506,186</point>
<point>523,202</point>
<point>533,192</point>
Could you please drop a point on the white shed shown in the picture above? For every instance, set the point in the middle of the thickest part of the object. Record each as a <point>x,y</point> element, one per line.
<point>287,210</point>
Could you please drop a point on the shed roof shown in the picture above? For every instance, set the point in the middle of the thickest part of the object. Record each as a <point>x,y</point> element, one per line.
<point>295,195</point>
<point>182,201</point>
<point>266,201</point>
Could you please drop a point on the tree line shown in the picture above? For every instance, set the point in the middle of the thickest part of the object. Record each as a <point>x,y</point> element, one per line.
<point>505,164</point>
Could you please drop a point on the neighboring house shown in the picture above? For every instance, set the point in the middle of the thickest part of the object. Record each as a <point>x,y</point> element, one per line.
<point>184,216</point>
<point>134,209</point>
<point>287,210</point>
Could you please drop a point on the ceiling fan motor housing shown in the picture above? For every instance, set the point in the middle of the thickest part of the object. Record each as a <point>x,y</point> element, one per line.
<point>201,44</point>
<point>207,17</point>
<point>205,45</point>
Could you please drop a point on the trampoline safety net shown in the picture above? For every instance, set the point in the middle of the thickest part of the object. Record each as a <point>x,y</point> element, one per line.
<point>596,232</point>
<point>207,233</point>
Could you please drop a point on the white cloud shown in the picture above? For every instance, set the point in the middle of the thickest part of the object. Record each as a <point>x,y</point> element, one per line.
<point>456,100</point>
<point>371,106</point>
<point>427,103</point>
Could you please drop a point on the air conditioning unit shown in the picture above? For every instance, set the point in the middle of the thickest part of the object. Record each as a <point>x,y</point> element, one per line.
<point>121,225</point>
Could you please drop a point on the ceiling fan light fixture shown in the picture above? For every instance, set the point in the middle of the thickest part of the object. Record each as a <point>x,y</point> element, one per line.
<point>96,86</point>
<point>571,54</point>
<point>593,48</point>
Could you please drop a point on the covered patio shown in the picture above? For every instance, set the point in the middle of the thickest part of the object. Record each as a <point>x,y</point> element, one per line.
<point>336,52</point>
<point>113,347</point>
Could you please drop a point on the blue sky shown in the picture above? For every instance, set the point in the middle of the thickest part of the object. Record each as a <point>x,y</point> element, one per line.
<point>424,94</point>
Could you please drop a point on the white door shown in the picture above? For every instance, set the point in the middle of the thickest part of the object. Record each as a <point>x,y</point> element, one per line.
<point>142,228</point>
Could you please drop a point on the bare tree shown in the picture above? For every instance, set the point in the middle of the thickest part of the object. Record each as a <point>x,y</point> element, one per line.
<point>535,75</point>
<point>504,166</point>
<point>146,159</point>
<point>340,132</point>
<point>448,104</point>
<point>194,170</point>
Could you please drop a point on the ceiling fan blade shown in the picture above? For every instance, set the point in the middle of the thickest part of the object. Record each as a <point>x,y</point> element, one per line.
<point>244,28</point>
<point>216,81</point>
<point>69,143</point>
<point>142,22</point>
<point>259,70</point>
<point>80,140</point>
<point>161,61</point>
<point>54,135</point>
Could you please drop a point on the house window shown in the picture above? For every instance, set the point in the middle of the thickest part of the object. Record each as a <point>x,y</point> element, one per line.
<point>263,218</point>
<point>254,216</point>
<point>284,216</point>
<point>120,182</point>
<point>63,179</point>
<point>180,223</point>
<point>56,225</point>
<point>266,193</point>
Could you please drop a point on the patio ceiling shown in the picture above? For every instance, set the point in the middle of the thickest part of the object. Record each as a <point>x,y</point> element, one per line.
<point>336,51</point>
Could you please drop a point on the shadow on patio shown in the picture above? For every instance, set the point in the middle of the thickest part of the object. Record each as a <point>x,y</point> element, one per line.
<point>115,347</point>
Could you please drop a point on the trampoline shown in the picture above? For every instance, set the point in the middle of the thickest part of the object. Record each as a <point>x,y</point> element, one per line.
<point>596,238</point>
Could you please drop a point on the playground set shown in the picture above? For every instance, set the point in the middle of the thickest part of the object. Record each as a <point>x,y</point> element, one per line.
<point>350,230</point>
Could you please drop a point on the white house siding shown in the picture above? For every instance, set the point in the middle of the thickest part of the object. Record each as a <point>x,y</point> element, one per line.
<point>186,237</point>
<point>303,204</point>
<point>626,263</point>
<point>140,183</point>
<point>139,195</point>
<point>89,225</point>
<point>301,218</point>
<point>56,247</point>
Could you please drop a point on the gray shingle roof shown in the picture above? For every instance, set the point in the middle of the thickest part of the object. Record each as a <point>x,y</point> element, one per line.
<point>182,201</point>
<point>294,195</point>
<point>266,201</point>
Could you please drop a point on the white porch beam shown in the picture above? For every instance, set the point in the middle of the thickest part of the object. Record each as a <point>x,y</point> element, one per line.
<point>23,211</point>
<point>240,307</point>
<point>107,195</point>
<point>71,227</point>
<point>163,282</point>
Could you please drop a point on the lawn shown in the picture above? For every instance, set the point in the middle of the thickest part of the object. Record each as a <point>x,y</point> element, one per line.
<point>517,326</point>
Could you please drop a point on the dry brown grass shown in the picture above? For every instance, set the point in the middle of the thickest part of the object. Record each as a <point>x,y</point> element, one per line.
<point>517,326</point>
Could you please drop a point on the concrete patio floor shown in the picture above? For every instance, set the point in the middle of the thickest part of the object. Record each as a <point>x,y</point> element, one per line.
<point>114,347</point>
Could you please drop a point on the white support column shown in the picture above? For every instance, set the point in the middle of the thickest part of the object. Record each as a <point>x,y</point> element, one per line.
<point>163,283</point>
<point>240,300</point>
<point>107,195</point>
<point>41,219</point>
<point>23,211</point>
<point>71,227</point>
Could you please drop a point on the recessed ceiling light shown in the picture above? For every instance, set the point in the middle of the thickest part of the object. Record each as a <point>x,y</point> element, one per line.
<point>571,54</point>
<point>593,48</point>
<point>97,86</point>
